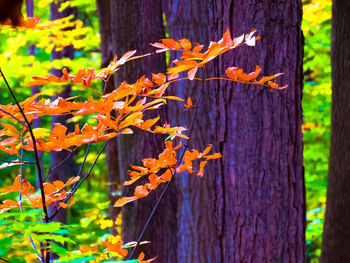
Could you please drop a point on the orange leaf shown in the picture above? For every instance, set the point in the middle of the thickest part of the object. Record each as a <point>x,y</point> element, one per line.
<point>146,125</point>
<point>267,78</point>
<point>206,151</point>
<point>49,188</point>
<point>171,44</point>
<point>213,156</point>
<point>141,256</point>
<point>185,43</point>
<point>227,40</point>
<point>201,168</point>
<point>197,48</point>
<point>182,66</point>
<point>8,204</point>
<point>234,72</point>
<point>167,175</point>
<point>124,200</point>
<point>72,180</point>
<point>84,249</point>
<point>159,78</point>
<point>189,103</point>
<point>251,76</point>
<point>141,191</point>
<point>65,205</point>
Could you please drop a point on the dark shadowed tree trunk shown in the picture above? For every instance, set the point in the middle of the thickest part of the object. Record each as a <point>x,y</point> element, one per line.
<point>135,24</point>
<point>35,89</point>
<point>113,177</point>
<point>194,213</point>
<point>258,185</point>
<point>67,169</point>
<point>336,236</point>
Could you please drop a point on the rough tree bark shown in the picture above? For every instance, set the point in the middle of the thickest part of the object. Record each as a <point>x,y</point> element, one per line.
<point>336,235</point>
<point>258,185</point>
<point>195,236</point>
<point>135,24</point>
<point>113,177</point>
<point>67,169</point>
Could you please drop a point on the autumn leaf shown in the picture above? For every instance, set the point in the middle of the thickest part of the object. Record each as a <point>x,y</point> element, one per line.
<point>185,43</point>
<point>124,200</point>
<point>159,78</point>
<point>189,103</point>
<point>213,156</point>
<point>201,168</point>
<point>171,44</point>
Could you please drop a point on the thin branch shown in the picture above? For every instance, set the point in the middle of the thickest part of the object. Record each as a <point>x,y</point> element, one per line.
<point>20,201</point>
<point>12,116</point>
<point>21,162</point>
<point>81,181</point>
<point>173,175</point>
<point>58,165</point>
<point>83,163</point>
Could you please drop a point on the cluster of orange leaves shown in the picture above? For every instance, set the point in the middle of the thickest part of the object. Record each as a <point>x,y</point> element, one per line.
<point>129,101</point>
<point>191,60</point>
<point>54,193</point>
<point>112,247</point>
<point>122,100</point>
<point>166,165</point>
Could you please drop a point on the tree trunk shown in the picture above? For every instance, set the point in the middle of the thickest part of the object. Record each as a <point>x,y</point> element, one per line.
<point>35,89</point>
<point>67,169</point>
<point>135,24</point>
<point>195,236</point>
<point>113,176</point>
<point>258,185</point>
<point>336,235</point>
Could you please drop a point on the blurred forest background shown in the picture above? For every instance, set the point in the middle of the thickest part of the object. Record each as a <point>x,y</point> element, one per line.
<point>28,53</point>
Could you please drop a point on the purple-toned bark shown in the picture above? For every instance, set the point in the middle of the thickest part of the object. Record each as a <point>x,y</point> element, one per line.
<point>135,24</point>
<point>195,230</point>
<point>67,169</point>
<point>336,235</point>
<point>258,185</point>
<point>113,177</point>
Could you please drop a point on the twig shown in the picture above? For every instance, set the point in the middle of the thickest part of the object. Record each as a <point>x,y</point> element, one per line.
<point>58,165</point>
<point>22,162</point>
<point>82,180</point>
<point>12,116</point>
<point>20,201</point>
<point>83,163</point>
<point>173,175</point>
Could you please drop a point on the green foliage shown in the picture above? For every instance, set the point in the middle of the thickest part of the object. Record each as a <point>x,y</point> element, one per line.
<point>316,108</point>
